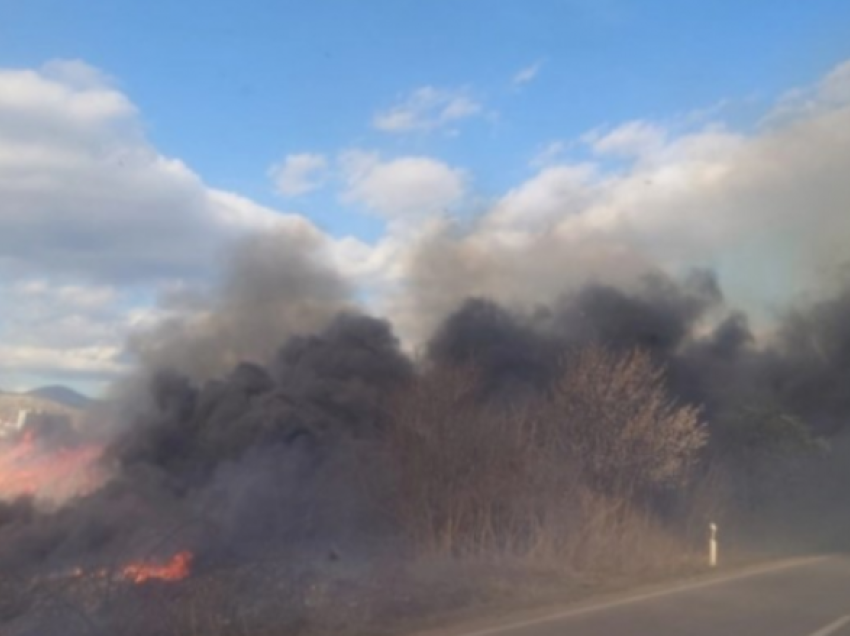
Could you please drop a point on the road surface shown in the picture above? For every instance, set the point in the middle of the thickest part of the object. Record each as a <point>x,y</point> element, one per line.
<point>804,597</point>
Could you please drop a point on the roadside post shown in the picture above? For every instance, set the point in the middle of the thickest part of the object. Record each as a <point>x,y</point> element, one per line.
<point>712,545</point>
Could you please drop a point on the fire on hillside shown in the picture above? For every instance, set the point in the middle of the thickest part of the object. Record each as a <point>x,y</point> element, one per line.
<point>31,468</point>
<point>176,568</point>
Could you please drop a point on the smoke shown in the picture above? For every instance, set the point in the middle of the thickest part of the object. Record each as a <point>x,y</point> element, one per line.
<point>221,418</point>
<point>512,356</point>
<point>254,422</point>
<point>515,268</point>
<point>261,458</point>
<point>813,347</point>
<point>712,357</point>
<point>275,285</point>
<point>522,348</point>
<point>255,428</point>
<point>766,210</point>
<point>317,389</point>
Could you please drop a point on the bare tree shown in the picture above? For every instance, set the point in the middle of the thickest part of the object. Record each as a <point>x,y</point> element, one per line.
<point>611,414</point>
<point>476,475</point>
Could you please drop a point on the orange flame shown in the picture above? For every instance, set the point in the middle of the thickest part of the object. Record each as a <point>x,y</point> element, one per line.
<point>177,568</point>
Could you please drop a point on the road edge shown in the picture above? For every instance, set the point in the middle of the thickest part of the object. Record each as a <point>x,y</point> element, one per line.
<point>529,618</point>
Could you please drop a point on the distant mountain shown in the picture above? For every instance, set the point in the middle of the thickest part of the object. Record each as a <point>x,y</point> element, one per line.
<point>62,395</point>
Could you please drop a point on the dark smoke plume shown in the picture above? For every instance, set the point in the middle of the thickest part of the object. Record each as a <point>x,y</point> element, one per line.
<point>255,424</point>
<point>275,285</point>
<point>712,357</point>
<point>279,454</point>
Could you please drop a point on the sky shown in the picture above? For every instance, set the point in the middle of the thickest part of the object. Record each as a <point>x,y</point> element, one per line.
<point>138,140</point>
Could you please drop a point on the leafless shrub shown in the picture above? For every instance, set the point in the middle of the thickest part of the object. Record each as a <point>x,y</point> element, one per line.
<point>560,476</point>
<point>611,415</point>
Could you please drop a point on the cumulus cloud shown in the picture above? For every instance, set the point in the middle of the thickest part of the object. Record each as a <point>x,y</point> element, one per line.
<point>299,174</point>
<point>403,189</point>
<point>87,204</point>
<point>427,109</point>
<point>553,194</point>
<point>82,192</point>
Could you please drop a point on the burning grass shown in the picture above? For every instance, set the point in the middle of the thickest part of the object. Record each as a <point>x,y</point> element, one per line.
<point>176,568</point>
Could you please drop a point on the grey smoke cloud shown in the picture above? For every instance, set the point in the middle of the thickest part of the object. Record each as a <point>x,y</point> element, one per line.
<point>275,285</point>
<point>767,210</point>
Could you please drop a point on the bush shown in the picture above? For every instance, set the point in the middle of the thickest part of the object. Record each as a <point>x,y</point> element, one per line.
<point>552,475</point>
<point>612,416</point>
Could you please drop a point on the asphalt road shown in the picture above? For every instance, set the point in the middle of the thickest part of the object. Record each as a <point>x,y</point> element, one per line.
<point>807,597</point>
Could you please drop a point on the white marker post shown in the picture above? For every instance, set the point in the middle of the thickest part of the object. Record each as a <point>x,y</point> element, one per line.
<point>712,545</point>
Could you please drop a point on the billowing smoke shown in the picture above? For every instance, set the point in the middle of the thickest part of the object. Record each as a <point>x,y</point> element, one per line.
<point>523,348</point>
<point>255,424</point>
<point>518,269</point>
<point>276,285</point>
<point>216,415</point>
<point>255,421</point>
<point>264,457</point>
<point>712,356</point>
<point>813,351</point>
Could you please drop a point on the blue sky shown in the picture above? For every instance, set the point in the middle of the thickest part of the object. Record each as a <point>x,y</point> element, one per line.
<point>231,86</point>
<point>231,89</point>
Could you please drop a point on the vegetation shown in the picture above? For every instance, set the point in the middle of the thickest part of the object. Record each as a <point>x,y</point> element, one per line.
<point>597,477</point>
<point>543,476</point>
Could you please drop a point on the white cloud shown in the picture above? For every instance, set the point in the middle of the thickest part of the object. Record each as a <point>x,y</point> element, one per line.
<point>632,139</point>
<point>526,74</point>
<point>88,206</point>
<point>548,154</point>
<point>403,189</point>
<point>552,195</point>
<point>82,192</point>
<point>428,109</point>
<point>299,174</point>
<point>373,267</point>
